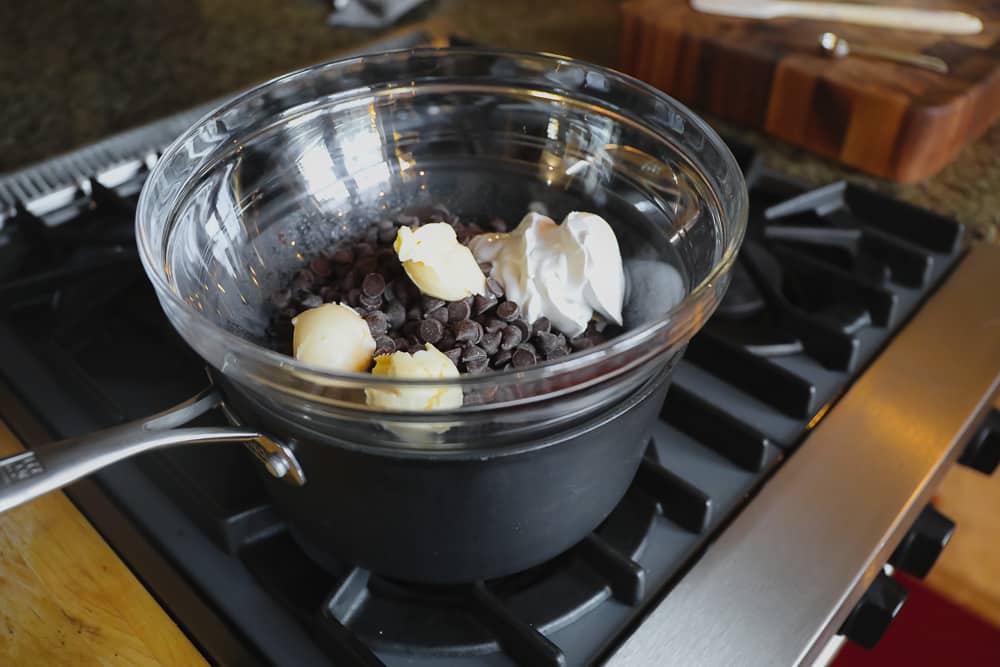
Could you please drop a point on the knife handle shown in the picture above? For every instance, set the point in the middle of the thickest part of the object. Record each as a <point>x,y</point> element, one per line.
<point>926,20</point>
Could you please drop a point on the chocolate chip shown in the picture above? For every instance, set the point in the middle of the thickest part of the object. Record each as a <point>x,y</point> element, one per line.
<point>363,250</point>
<point>508,311</point>
<point>458,311</point>
<point>524,356</point>
<point>415,294</point>
<point>384,345</point>
<point>408,220</point>
<point>511,337</point>
<point>386,259</point>
<point>541,324</point>
<point>401,343</point>
<point>491,342</point>
<point>557,352</point>
<point>303,279</point>
<point>396,314</point>
<point>366,265</point>
<point>501,358</point>
<point>371,303</point>
<point>387,235</point>
<point>411,328</point>
<point>455,354</point>
<point>389,292</point>
<point>467,331</point>
<point>402,293</point>
<point>321,266</point>
<point>342,256</point>
<point>481,304</point>
<point>347,282</point>
<point>546,341</point>
<point>524,327</point>
<point>378,323</point>
<point>281,330</point>
<point>441,315</point>
<point>354,297</point>
<point>371,235</point>
<point>431,304</point>
<point>494,286</point>
<point>280,298</point>
<point>311,301</point>
<point>582,342</point>
<point>447,340</point>
<point>373,285</point>
<point>477,367</point>
<point>329,294</point>
<point>474,354</point>
<point>414,313</point>
<point>431,331</point>
<point>384,224</point>
<point>493,325</point>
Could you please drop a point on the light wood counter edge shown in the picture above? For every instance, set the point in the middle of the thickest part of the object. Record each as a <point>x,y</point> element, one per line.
<point>67,599</point>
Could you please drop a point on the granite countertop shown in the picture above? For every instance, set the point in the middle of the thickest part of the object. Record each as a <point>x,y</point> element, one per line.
<point>71,73</point>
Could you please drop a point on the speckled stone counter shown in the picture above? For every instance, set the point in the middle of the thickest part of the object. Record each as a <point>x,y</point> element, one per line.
<point>71,73</point>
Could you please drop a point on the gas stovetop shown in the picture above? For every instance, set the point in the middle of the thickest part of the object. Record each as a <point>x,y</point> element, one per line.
<point>827,278</point>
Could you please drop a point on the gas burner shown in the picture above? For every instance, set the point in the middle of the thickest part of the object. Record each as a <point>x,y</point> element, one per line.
<point>511,615</point>
<point>820,266</point>
<point>364,613</point>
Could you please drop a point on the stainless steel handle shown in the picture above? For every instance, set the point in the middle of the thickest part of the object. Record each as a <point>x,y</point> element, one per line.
<point>30,474</point>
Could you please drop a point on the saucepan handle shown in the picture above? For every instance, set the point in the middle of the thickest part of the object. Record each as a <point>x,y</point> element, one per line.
<point>30,474</point>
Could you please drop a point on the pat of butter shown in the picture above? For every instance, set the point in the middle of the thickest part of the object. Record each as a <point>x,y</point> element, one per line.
<point>429,364</point>
<point>437,263</point>
<point>333,336</point>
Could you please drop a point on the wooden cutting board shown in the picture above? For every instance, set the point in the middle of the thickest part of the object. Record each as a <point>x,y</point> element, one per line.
<point>894,121</point>
<point>66,597</point>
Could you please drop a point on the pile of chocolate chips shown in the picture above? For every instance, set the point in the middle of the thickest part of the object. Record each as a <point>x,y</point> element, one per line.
<point>478,333</point>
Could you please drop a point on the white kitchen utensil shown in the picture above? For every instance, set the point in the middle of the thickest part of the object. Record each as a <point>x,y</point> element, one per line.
<point>925,20</point>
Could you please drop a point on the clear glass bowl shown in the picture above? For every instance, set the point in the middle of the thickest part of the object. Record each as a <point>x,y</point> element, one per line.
<point>255,189</point>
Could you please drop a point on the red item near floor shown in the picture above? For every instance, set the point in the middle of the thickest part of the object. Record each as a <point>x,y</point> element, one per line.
<point>930,630</point>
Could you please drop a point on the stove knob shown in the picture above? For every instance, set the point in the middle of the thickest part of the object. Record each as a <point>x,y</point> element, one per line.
<point>983,452</point>
<point>920,548</point>
<point>875,611</point>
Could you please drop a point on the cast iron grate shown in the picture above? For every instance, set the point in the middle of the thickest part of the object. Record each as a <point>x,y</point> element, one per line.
<point>824,279</point>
